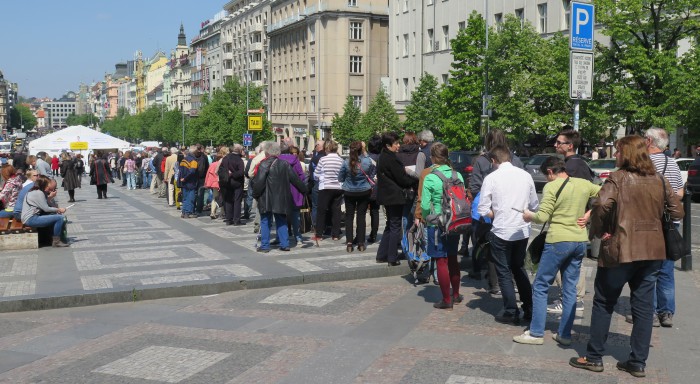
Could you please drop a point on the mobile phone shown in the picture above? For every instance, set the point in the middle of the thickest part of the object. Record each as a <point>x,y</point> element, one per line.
<point>516,209</point>
<point>69,206</point>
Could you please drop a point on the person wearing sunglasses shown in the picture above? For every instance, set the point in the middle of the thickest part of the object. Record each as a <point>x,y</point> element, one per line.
<point>37,212</point>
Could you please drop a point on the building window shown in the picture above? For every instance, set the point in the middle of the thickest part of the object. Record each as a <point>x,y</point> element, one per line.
<point>445,78</point>
<point>352,3</point>
<point>405,6</point>
<point>405,88</point>
<point>313,103</point>
<point>356,64</point>
<point>429,48</point>
<point>312,68</point>
<point>498,19</point>
<point>567,14</point>
<point>413,46</point>
<point>356,30</point>
<point>462,25</point>
<point>397,47</point>
<point>445,37</point>
<point>542,25</point>
<point>312,33</point>
<point>430,2</point>
<point>357,102</point>
<point>520,15</point>
<point>405,45</point>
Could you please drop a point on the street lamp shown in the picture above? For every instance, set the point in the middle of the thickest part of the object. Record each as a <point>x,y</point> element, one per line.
<point>182,110</point>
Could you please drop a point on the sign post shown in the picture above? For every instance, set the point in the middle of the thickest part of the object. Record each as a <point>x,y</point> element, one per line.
<point>581,39</point>
<point>247,140</point>
<point>255,123</point>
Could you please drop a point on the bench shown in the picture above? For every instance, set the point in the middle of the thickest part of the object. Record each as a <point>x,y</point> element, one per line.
<point>15,235</point>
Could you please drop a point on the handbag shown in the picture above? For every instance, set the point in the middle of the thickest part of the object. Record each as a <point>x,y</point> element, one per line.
<point>305,223</point>
<point>536,247</point>
<point>675,245</point>
<point>373,194</point>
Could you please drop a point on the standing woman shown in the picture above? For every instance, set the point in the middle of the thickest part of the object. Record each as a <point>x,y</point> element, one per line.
<point>69,173</point>
<point>100,174</point>
<point>627,217</point>
<point>357,175</point>
<point>392,179</point>
<point>330,193</point>
<point>211,182</point>
<point>54,166</point>
<point>414,160</point>
<point>441,245</point>
<point>130,170</point>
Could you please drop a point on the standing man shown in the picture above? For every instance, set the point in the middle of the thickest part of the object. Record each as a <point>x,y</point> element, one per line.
<point>169,175</point>
<point>425,140</point>
<point>233,190</point>
<point>158,180</point>
<point>250,171</point>
<point>665,293</point>
<point>202,166</point>
<point>42,167</point>
<point>188,180</point>
<point>505,193</point>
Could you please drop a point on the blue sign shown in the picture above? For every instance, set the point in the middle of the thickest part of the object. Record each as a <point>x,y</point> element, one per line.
<point>247,139</point>
<point>582,23</point>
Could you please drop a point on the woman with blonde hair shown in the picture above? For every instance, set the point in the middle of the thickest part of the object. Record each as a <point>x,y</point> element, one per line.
<point>627,217</point>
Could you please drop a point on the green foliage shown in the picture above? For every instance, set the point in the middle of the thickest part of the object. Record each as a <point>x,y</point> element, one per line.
<point>345,127</point>
<point>85,120</point>
<point>21,115</point>
<point>380,117</point>
<point>424,110</point>
<point>462,95</point>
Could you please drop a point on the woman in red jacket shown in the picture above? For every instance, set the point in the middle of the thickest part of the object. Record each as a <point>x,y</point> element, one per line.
<point>54,165</point>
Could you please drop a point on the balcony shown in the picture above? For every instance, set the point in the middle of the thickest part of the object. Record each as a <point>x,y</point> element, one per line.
<point>256,65</point>
<point>256,46</point>
<point>256,27</point>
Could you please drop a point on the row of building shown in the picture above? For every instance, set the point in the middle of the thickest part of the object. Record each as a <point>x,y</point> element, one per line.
<point>307,55</point>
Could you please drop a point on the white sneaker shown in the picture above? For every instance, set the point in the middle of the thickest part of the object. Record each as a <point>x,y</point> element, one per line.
<point>526,338</point>
<point>556,306</point>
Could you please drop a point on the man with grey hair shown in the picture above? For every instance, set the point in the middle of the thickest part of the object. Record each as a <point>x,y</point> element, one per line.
<point>42,167</point>
<point>250,173</point>
<point>665,294</point>
<point>233,190</point>
<point>271,188</point>
<point>425,140</point>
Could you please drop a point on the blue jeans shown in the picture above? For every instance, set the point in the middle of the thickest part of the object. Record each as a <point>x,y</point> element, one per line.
<point>188,196</point>
<point>146,180</point>
<point>266,225</point>
<point>47,221</point>
<point>509,260</point>
<point>5,213</point>
<point>566,257</point>
<point>295,221</point>
<point>130,180</point>
<point>665,292</point>
<point>641,277</point>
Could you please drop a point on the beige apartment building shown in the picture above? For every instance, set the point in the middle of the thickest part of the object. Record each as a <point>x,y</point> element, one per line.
<point>320,52</point>
<point>179,76</point>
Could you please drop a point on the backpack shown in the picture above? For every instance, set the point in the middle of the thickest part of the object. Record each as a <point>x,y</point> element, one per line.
<point>456,215</point>
<point>414,246</point>
<point>224,175</point>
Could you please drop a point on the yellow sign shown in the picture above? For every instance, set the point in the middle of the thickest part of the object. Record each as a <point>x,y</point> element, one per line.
<point>78,145</point>
<point>255,123</point>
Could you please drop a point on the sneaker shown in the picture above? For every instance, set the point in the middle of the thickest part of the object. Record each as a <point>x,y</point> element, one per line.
<point>635,371</point>
<point>583,363</point>
<point>527,338</point>
<point>495,292</point>
<point>666,319</point>
<point>556,306</point>
<point>561,340</point>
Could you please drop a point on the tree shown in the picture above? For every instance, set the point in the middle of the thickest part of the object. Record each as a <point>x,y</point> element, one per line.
<point>345,127</point>
<point>641,61</point>
<point>85,120</point>
<point>424,110</point>
<point>20,116</point>
<point>462,95</point>
<point>380,117</point>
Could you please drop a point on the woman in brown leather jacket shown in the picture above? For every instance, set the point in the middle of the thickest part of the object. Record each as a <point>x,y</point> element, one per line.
<point>627,217</point>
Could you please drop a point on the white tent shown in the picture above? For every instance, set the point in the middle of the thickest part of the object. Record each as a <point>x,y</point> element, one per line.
<point>59,141</point>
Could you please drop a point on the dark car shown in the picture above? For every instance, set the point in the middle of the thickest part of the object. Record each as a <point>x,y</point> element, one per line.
<point>462,162</point>
<point>533,168</point>
<point>694,179</point>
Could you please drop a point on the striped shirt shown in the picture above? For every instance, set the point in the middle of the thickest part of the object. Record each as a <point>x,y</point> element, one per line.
<point>327,170</point>
<point>672,174</point>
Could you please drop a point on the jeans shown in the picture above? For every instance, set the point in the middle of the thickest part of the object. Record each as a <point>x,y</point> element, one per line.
<point>359,203</point>
<point>130,180</point>
<point>55,220</point>
<point>248,206</point>
<point>566,257</point>
<point>188,196</point>
<point>146,180</point>
<point>295,222</point>
<point>282,231</point>
<point>641,277</point>
<point>4,213</point>
<point>665,292</point>
<point>388,247</point>
<point>509,260</point>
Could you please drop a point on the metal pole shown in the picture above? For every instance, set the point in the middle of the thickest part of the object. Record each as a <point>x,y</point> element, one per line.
<point>484,110</point>
<point>687,260</point>
<point>576,114</point>
<point>183,128</point>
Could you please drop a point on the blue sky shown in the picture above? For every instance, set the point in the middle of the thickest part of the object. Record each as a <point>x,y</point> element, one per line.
<point>50,47</point>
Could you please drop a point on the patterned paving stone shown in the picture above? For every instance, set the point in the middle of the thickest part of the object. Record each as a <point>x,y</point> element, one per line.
<point>167,364</point>
<point>138,257</point>
<point>114,241</point>
<point>459,379</point>
<point>135,225</point>
<point>302,297</point>
<point>17,288</point>
<point>322,263</point>
<point>13,265</point>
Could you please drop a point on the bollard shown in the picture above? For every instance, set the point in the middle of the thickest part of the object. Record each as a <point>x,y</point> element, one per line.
<point>687,260</point>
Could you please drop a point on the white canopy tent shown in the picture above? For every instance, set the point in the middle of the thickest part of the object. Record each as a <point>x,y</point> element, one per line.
<point>59,141</point>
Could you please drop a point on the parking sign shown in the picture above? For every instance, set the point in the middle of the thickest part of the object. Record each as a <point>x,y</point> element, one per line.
<point>582,23</point>
<point>247,139</point>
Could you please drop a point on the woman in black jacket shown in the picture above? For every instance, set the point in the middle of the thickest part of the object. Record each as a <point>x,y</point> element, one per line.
<point>391,181</point>
<point>69,173</point>
<point>100,175</point>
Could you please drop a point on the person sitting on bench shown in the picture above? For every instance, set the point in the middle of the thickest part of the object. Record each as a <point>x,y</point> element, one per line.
<point>36,211</point>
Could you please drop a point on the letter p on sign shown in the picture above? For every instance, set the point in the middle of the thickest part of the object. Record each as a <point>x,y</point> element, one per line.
<point>582,25</point>
<point>581,19</point>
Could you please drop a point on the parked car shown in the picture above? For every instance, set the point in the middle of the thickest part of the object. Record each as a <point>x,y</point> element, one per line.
<point>684,164</point>
<point>533,168</point>
<point>462,162</point>
<point>603,168</point>
<point>693,184</point>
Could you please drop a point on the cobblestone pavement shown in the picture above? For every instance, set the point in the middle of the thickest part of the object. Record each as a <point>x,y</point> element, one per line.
<point>380,330</point>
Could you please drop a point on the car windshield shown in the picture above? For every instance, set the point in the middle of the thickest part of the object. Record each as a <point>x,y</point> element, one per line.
<point>609,164</point>
<point>537,160</point>
<point>459,158</point>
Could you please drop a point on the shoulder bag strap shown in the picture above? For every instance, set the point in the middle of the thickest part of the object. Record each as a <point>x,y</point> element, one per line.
<point>556,197</point>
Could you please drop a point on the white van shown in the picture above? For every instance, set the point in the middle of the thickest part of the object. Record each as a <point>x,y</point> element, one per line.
<point>5,147</point>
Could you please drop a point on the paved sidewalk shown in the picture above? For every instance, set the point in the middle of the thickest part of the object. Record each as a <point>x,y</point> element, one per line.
<point>364,331</point>
<point>132,247</point>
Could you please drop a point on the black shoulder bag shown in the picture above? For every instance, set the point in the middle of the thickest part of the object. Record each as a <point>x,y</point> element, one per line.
<point>536,247</point>
<point>675,245</point>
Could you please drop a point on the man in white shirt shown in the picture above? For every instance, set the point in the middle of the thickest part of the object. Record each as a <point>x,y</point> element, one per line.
<point>505,192</point>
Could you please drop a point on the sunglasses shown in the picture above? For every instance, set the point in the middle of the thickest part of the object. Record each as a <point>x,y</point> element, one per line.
<point>563,142</point>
